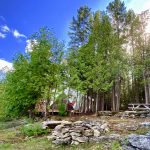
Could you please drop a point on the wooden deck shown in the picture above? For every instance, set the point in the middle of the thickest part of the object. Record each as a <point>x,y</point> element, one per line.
<point>138,106</point>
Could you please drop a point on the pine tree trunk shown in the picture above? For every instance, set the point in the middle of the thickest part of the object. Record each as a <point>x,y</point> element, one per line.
<point>145,88</point>
<point>149,92</point>
<point>102,99</point>
<point>113,98</point>
<point>88,102</point>
<point>96,106</point>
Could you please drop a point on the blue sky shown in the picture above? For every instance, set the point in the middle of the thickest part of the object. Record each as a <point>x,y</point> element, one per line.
<point>21,18</point>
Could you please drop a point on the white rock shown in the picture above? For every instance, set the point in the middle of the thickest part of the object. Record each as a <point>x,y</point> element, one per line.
<point>96,133</point>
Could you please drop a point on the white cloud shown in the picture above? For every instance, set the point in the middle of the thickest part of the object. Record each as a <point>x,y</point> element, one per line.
<point>29,45</point>
<point>5,28</point>
<point>5,66</point>
<point>16,34</point>
<point>138,5</point>
<point>2,35</point>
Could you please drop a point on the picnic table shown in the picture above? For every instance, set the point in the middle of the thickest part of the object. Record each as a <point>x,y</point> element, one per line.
<point>138,106</point>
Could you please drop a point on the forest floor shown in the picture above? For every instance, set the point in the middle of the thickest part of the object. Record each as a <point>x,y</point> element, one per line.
<point>10,138</point>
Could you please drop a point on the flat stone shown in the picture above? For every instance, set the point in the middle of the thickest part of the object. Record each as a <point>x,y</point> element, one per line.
<point>66,122</point>
<point>58,128</point>
<point>78,122</point>
<point>65,130</point>
<point>82,139</point>
<point>75,134</point>
<point>50,124</point>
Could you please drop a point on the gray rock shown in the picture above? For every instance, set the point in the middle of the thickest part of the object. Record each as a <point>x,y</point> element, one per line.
<point>75,134</point>
<point>148,115</point>
<point>65,130</point>
<point>66,122</point>
<point>88,133</point>
<point>58,128</point>
<point>114,137</point>
<point>51,137</point>
<point>148,134</point>
<point>65,135</point>
<point>55,133</point>
<point>82,139</point>
<point>62,141</point>
<point>104,126</point>
<point>131,127</point>
<point>96,133</point>
<point>78,122</point>
<point>142,116</point>
<point>75,143</point>
<point>145,124</point>
<point>139,141</point>
<point>50,124</point>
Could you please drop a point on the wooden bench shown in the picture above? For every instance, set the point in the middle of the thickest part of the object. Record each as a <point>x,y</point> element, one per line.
<point>138,106</point>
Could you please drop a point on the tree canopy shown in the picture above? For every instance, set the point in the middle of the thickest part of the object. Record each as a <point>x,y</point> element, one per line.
<point>107,62</point>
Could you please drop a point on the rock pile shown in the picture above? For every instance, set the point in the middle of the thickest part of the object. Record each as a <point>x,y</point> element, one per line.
<point>80,132</point>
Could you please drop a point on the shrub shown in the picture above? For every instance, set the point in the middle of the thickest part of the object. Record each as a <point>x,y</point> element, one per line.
<point>33,130</point>
<point>62,109</point>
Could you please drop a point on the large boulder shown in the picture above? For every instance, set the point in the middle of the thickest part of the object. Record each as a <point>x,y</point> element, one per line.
<point>139,141</point>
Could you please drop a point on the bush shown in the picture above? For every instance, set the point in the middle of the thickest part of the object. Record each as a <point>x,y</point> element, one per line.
<point>33,130</point>
<point>62,109</point>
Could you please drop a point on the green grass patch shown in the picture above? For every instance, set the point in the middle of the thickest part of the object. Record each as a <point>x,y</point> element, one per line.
<point>116,146</point>
<point>34,129</point>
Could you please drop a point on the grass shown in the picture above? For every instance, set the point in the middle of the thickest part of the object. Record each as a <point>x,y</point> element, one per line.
<point>12,139</point>
<point>116,145</point>
<point>141,131</point>
<point>43,144</point>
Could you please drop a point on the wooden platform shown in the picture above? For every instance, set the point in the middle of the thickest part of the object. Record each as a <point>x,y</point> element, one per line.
<point>138,106</point>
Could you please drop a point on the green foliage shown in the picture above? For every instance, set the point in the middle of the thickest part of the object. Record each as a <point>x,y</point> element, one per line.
<point>62,109</point>
<point>80,28</point>
<point>98,62</point>
<point>61,97</point>
<point>33,130</point>
<point>35,74</point>
<point>116,145</point>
